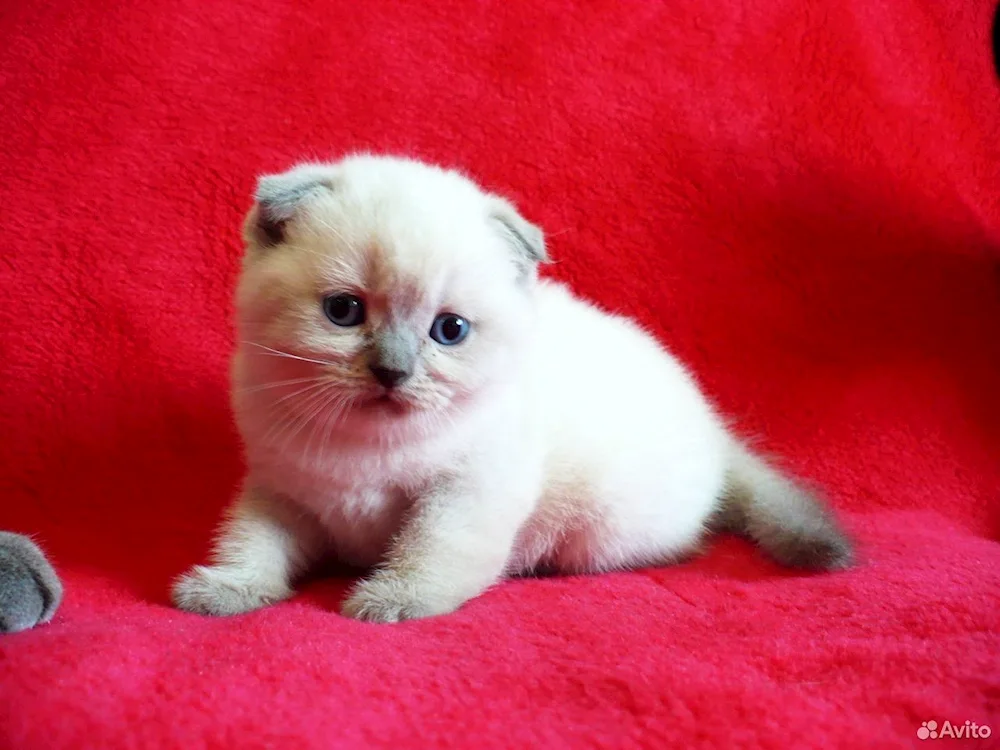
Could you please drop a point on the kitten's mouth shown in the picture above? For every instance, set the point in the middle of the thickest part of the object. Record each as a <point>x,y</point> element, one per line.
<point>387,402</point>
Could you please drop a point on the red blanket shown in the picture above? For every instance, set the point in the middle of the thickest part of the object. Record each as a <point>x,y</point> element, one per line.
<point>800,198</point>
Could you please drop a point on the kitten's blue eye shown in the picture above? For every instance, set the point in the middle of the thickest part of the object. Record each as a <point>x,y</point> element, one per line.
<point>449,329</point>
<point>344,309</point>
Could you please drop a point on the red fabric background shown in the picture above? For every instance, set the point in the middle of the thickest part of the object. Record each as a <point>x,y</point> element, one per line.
<point>801,198</point>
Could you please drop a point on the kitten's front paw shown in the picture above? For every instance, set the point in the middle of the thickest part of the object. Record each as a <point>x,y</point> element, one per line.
<point>224,591</point>
<point>386,597</point>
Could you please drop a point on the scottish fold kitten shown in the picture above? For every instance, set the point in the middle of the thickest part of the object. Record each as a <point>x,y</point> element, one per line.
<point>414,399</point>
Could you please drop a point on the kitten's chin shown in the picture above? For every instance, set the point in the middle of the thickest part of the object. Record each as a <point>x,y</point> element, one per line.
<point>386,404</point>
<point>386,422</point>
<point>388,412</point>
<point>389,417</point>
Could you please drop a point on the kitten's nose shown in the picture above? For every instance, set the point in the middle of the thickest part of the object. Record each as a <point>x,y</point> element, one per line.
<point>388,377</point>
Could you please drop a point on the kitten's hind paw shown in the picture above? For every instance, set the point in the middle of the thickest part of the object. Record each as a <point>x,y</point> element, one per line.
<point>225,591</point>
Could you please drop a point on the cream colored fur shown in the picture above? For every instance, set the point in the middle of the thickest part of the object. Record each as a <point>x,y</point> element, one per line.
<point>555,436</point>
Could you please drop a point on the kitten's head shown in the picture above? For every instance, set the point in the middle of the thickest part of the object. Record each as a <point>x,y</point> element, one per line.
<point>380,294</point>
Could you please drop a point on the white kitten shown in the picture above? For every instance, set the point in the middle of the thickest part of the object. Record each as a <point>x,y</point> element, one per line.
<point>412,398</point>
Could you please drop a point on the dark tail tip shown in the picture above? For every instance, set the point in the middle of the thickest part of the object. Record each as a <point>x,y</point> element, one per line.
<point>827,550</point>
<point>789,522</point>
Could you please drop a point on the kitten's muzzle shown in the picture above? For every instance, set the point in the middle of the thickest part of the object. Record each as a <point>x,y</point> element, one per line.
<point>393,356</point>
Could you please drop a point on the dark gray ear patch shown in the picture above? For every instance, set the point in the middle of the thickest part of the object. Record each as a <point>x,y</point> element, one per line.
<point>270,227</point>
<point>526,240</point>
<point>280,196</point>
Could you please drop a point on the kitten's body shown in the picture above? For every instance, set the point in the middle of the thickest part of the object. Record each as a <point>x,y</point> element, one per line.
<point>557,436</point>
<point>596,484</point>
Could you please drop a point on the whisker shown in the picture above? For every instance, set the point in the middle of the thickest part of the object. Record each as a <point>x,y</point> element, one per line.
<point>289,418</point>
<point>279,384</point>
<point>308,388</point>
<point>321,406</point>
<point>315,401</point>
<point>283,426</point>
<point>331,407</point>
<point>279,353</point>
<point>332,419</point>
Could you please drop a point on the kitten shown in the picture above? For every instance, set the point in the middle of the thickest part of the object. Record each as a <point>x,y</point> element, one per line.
<point>412,397</point>
<point>30,590</point>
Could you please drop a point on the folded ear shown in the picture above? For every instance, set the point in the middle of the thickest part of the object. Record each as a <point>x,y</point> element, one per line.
<point>279,197</point>
<point>526,240</point>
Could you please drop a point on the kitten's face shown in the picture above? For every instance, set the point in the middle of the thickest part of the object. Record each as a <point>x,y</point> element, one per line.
<point>380,295</point>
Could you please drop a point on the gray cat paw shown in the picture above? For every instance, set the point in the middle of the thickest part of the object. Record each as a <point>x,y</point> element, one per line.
<point>224,591</point>
<point>30,590</point>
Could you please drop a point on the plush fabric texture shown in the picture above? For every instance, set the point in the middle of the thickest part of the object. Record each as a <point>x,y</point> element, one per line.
<point>799,197</point>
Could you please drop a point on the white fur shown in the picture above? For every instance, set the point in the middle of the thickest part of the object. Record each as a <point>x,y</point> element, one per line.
<point>556,436</point>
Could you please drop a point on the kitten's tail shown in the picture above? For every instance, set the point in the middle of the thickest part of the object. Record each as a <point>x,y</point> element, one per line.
<point>789,522</point>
